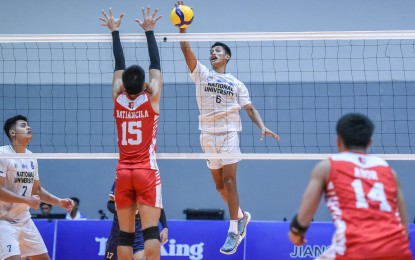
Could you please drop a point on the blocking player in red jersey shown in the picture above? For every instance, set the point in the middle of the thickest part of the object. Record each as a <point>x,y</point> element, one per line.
<point>136,112</point>
<point>364,198</point>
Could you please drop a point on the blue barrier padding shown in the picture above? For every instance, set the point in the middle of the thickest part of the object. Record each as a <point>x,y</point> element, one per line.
<point>194,240</point>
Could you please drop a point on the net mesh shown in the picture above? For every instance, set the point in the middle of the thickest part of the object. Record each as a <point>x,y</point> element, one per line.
<point>300,84</point>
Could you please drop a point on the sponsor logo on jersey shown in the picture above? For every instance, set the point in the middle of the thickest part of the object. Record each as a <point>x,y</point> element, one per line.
<point>131,105</point>
<point>308,251</point>
<point>24,166</point>
<point>32,165</point>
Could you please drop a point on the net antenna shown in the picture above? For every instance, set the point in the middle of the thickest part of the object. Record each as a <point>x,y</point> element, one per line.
<point>300,82</point>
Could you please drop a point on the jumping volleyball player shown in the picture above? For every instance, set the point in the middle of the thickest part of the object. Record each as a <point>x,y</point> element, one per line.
<point>136,112</point>
<point>220,96</point>
<point>363,195</point>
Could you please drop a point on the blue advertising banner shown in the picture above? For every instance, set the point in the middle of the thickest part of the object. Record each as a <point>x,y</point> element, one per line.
<point>47,230</point>
<point>83,239</point>
<point>191,239</point>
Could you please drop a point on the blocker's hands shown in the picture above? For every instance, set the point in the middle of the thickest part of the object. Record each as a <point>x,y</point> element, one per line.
<point>110,22</point>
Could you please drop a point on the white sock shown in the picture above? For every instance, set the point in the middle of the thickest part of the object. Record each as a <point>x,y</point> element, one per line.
<point>240,213</point>
<point>233,226</point>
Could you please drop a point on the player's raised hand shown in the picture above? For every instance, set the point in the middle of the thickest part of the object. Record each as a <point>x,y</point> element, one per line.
<point>33,201</point>
<point>66,204</point>
<point>266,132</point>
<point>109,20</point>
<point>149,20</point>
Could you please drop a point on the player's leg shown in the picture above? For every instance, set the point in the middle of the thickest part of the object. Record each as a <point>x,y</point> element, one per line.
<point>112,242</point>
<point>31,242</point>
<point>9,241</point>
<point>220,187</point>
<point>138,246</point>
<point>126,208</point>
<point>233,237</point>
<point>15,257</point>
<point>126,238</point>
<point>229,182</point>
<point>44,256</point>
<point>149,220</point>
<point>208,144</point>
<point>238,218</point>
<point>139,255</point>
<point>231,146</point>
<point>147,185</point>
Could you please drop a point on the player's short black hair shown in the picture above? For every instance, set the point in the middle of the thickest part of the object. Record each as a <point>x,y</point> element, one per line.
<point>11,122</point>
<point>355,130</point>
<point>133,78</point>
<point>224,46</point>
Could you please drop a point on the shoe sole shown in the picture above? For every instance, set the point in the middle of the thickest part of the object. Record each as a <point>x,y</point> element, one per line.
<point>246,224</point>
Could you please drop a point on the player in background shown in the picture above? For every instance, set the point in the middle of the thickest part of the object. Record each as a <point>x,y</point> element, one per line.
<point>220,96</point>
<point>136,112</point>
<point>138,245</point>
<point>20,190</point>
<point>364,198</point>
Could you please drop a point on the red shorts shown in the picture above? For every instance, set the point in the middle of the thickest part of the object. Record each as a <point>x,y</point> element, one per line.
<point>137,185</point>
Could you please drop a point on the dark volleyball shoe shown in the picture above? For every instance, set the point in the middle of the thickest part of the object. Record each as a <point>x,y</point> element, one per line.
<point>231,244</point>
<point>243,223</point>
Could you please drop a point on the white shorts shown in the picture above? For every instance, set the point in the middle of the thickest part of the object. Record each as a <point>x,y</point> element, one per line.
<point>20,239</point>
<point>227,143</point>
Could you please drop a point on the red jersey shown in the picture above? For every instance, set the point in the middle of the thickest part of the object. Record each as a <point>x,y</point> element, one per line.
<point>361,196</point>
<point>137,126</point>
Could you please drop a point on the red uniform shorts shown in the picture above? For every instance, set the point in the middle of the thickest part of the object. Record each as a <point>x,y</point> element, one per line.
<point>137,185</point>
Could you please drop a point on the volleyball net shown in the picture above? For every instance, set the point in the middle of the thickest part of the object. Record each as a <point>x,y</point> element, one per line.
<point>300,83</point>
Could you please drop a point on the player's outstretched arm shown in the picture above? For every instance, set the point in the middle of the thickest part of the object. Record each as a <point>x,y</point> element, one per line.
<point>189,55</point>
<point>156,80</point>
<point>49,198</point>
<point>401,204</point>
<point>309,203</point>
<point>113,25</point>
<point>9,196</point>
<point>256,118</point>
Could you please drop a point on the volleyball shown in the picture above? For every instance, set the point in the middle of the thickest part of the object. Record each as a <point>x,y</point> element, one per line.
<point>181,16</point>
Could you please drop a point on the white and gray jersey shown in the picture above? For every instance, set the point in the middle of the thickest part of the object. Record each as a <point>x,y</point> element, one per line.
<point>20,175</point>
<point>219,97</point>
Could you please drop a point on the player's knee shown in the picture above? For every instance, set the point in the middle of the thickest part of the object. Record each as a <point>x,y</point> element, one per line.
<point>151,233</point>
<point>126,239</point>
<point>228,181</point>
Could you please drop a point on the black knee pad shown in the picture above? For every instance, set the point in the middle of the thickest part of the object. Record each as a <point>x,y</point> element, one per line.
<point>126,239</point>
<point>151,233</point>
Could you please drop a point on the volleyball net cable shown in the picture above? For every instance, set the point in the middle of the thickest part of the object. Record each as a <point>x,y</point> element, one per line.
<point>300,83</point>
